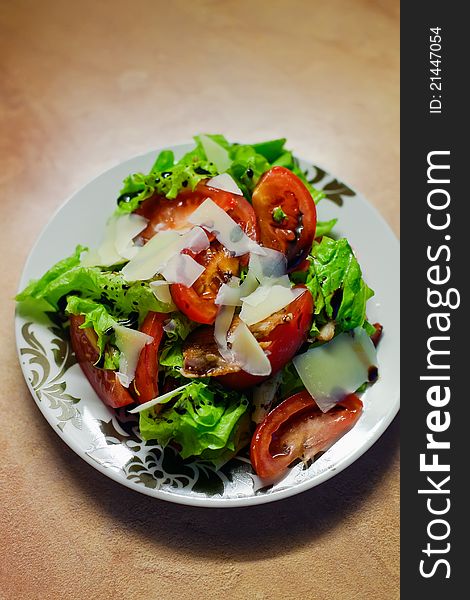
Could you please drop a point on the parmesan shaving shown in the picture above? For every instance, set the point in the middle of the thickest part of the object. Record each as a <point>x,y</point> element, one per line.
<point>332,371</point>
<point>127,227</point>
<point>130,343</point>
<point>229,294</point>
<point>221,327</point>
<point>153,257</point>
<point>249,285</point>
<point>117,245</point>
<point>215,153</point>
<point>226,230</point>
<point>182,269</point>
<point>247,353</point>
<point>160,400</point>
<point>272,264</point>
<point>226,183</point>
<point>195,240</point>
<point>263,397</point>
<point>161,290</point>
<point>266,300</point>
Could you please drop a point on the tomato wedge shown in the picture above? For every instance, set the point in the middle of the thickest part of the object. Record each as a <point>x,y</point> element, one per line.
<point>377,335</point>
<point>197,302</point>
<point>146,374</point>
<point>281,335</point>
<point>104,382</point>
<point>173,214</point>
<point>298,429</point>
<point>286,213</point>
<point>282,341</point>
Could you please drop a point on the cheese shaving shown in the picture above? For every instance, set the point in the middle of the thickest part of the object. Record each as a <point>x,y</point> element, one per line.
<point>247,353</point>
<point>221,326</point>
<point>215,153</point>
<point>335,369</point>
<point>272,264</point>
<point>226,183</point>
<point>226,230</point>
<point>161,290</point>
<point>127,227</point>
<point>265,301</point>
<point>152,258</point>
<point>117,245</point>
<point>160,400</point>
<point>182,269</point>
<point>229,294</point>
<point>130,343</point>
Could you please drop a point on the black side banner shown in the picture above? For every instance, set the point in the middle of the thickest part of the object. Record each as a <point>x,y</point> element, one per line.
<point>435,268</point>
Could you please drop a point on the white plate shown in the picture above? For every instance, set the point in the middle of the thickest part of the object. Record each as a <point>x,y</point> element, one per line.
<point>109,440</point>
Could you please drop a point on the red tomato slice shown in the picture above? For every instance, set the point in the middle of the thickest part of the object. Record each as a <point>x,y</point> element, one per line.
<point>282,342</point>
<point>292,234</point>
<point>298,429</point>
<point>197,302</point>
<point>104,382</point>
<point>192,305</point>
<point>377,335</point>
<point>146,373</point>
<point>173,214</point>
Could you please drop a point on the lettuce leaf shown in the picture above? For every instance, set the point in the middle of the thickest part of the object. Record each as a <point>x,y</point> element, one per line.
<point>33,291</point>
<point>171,358</point>
<point>178,327</point>
<point>290,381</point>
<point>177,330</point>
<point>96,316</point>
<point>271,150</point>
<point>164,161</point>
<point>204,421</point>
<point>335,281</point>
<point>247,167</point>
<point>324,227</point>
<point>168,178</point>
<point>165,178</point>
<point>120,298</point>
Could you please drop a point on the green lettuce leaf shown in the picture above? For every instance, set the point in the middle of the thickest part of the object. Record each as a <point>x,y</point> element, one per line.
<point>111,358</point>
<point>324,227</point>
<point>204,421</point>
<point>171,358</point>
<point>247,167</point>
<point>335,281</point>
<point>290,382</point>
<point>177,330</point>
<point>271,150</point>
<point>96,316</point>
<point>164,161</point>
<point>178,327</point>
<point>168,178</point>
<point>33,291</point>
<point>165,178</point>
<point>120,298</point>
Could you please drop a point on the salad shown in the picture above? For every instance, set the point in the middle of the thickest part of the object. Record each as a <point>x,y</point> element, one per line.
<point>219,310</point>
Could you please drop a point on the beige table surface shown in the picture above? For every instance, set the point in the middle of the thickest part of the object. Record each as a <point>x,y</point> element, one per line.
<point>86,84</point>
